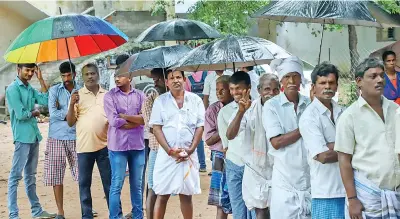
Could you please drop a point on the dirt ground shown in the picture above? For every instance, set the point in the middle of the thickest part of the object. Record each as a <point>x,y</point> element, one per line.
<point>71,193</point>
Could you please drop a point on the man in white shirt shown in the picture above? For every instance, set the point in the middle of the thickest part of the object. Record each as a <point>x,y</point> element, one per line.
<point>318,129</point>
<point>239,83</point>
<point>365,142</point>
<point>291,197</point>
<point>254,77</point>
<point>210,89</point>
<point>258,169</point>
<point>177,119</point>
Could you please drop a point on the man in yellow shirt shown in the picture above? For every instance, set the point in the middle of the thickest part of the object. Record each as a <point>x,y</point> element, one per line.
<point>86,109</point>
<point>365,142</point>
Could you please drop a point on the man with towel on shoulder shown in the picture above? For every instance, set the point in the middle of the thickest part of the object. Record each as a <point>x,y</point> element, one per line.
<point>291,197</point>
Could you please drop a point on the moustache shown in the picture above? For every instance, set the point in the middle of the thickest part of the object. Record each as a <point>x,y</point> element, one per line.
<point>328,92</point>
<point>267,97</point>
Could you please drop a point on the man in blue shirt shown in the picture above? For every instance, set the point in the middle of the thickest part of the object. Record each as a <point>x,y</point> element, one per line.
<point>21,98</point>
<point>61,144</point>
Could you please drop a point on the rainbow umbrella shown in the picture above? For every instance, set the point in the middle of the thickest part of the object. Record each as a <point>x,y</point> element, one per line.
<point>64,37</point>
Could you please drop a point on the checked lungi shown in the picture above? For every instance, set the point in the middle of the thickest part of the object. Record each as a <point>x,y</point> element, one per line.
<point>218,195</point>
<point>327,208</point>
<point>56,154</point>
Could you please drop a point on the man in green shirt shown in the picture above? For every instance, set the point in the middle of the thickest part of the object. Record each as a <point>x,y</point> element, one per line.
<point>21,98</point>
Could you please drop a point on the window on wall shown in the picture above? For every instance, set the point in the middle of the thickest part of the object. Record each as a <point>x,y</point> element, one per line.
<point>385,34</point>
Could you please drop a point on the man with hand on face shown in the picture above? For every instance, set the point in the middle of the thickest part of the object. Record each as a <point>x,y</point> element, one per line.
<point>21,98</point>
<point>177,120</point>
<point>365,141</point>
<point>122,106</point>
<point>86,110</point>
<point>258,169</point>
<point>290,198</point>
<point>61,143</point>
<point>318,128</point>
<point>239,86</point>
<point>218,195</point>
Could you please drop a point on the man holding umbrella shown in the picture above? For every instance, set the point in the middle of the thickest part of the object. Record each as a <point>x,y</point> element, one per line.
<point>281,114</point>
<point>177,120</point>
<point>21,99</point>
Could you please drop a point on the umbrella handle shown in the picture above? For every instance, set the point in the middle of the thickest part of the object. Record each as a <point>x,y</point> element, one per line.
<point>66,43</point>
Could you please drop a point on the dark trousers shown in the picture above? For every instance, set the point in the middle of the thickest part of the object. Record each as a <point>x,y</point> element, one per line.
<point>86,164</point>
<point>146,158</point>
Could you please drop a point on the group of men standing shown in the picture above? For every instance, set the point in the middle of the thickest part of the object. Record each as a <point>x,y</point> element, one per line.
<point>274,154</point>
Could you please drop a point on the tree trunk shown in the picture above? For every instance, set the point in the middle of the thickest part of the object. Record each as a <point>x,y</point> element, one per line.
<point>353,48</point>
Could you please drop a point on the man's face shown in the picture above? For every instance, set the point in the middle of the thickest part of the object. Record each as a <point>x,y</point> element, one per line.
<point>268,89</point>
<point>159,82</point>
<point>68,78</point>
<point>372,83</point>
<point>223,93</point>
<point>291,82</point>
<point>390,62</point>
<point>325,87</point>
<point>90,76</point>
<point>122,80</point>
<point>25,73</point>
<point>175,81</point>
<point>237,90</point>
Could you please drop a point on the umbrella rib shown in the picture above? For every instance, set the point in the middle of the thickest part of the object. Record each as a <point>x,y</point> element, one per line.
<point>37,53</point>
<point>91,36</point>
<point>21,54</point>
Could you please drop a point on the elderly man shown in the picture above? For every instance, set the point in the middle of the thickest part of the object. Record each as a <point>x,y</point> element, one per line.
<point>317,127</point>
<point>218,195</point>
<point>177,120</point>
<point>86,110</point>
<point>290,198</point>
<point>258,170</point>
<point>239,85</point>
<point>365,142</point>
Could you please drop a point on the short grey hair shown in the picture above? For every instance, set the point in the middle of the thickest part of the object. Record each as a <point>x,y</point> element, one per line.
<point>268,77</point>
<point>367,64</point>
<point>223,79</point>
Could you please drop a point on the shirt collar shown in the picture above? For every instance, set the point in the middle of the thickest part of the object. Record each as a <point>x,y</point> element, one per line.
<point>117,89</point>
<point>362,102</point>
<point>20,83</point>
<point>322,108</point>
<point>283,99</point>
<point>87,91</point>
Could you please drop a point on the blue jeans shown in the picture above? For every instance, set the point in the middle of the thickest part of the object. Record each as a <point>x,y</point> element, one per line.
<point>135,160</point>
<point>25,159</point>
<point>234,176</point>
<point>85,168</point>
<point>201,155</point>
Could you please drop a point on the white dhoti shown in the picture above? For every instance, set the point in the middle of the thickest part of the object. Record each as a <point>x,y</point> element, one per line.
<point>170,177</point>
<point>256,189</point>
<point>288,202</point>
<point>377,203</point>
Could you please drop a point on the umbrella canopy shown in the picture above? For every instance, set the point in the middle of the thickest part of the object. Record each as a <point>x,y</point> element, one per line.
<point>159,57</point>
<point>231,52</point>
<point>45,40</point>
<point>358,13</point>
<point>178,30</point>
<point>395,47</point>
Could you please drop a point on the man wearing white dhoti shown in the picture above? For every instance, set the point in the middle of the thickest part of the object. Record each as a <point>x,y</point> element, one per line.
<point>258,169</point>
<point>177,120</point>
<point>291,198</point>
<point>365,142</point>
<point>318,129</point>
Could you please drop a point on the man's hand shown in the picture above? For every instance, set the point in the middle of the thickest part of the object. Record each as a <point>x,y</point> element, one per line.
<point>129,125</point>
<point>225,150</point>
<point>38,73</point>
<point>355,209</point>
<point>35,113</point>
<point>122,116</point>
<point>245,102</point>
<point>74,98</point>
<point>57,105</point>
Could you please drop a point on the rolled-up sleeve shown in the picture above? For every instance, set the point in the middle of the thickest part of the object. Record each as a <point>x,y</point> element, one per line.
<point>156,117</point>
<point>345,138</point>
<point>312,135</point>
<point>271,122</point>
<point>41,98</point>
<point>55,113</point>
<point>110,109</point>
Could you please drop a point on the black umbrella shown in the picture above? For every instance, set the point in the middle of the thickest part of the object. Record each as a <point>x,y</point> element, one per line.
<point>159,57</point>
<point>231,52</point>
<point>178,30</point>
<point>358,13</point>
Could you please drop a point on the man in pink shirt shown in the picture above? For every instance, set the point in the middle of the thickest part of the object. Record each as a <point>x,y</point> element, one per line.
<point>218,195</point>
